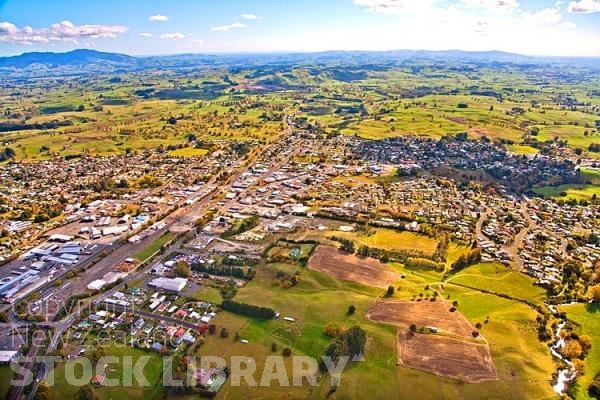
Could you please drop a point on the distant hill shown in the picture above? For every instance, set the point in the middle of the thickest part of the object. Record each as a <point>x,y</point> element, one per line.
<point>85,61</point>
<point>72,58</point>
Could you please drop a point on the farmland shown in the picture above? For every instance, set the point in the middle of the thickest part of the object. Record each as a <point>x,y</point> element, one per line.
<point>348,267</point>
<point>463,360</point>
<point>423,314</point>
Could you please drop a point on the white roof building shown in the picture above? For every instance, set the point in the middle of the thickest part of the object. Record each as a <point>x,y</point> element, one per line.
<point>169,284</point>
<point>6,356</point>
<point>97,284</point>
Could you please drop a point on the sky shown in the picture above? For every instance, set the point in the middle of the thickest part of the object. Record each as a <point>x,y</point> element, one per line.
<point>153,27</point>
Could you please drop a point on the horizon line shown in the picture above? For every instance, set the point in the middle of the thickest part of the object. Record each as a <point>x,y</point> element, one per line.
<point>291,52</point>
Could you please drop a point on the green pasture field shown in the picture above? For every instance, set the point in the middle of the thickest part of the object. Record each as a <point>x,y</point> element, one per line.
<point>152,371</point>
<point>154,246</point>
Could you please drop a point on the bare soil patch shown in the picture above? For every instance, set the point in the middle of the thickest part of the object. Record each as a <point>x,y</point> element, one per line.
<point>423,314</point>
<point>349,267</point>
<point>451,352</point>
<point>446,356</point>
<point>458,120</point>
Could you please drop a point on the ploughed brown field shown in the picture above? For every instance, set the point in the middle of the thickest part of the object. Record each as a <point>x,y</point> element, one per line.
<point>446,356</point>
<point>423,314</point>
<point>451,352</point>
<point>349,267</point>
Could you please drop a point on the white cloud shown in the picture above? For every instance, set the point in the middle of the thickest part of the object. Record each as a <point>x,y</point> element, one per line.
<point>493,5</point>
<point>395,6</point>
<point>64,31</point>
<point>172,36</point>
<point>158,18</point>
<point>584,6</point>
<point>250,16</point>
<point>145,34</point>
<point>225,28</point>
<point>545,16</point>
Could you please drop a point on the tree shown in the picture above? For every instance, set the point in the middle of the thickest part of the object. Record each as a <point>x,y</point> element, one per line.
<point>478,326</point>
<point>579,366</point>
<point>351,310</point>
<point>3,317</point>
<point>43,392</point>
<point>273,347</point>
<point>390,291</point>
<point>81,108</point>
<point>594,387</point>
<point>412,328</point>
<point>182,269</point>
<point>172,120</point>
<point>224,333</point>
<point>594,293</point>
<point>572,349</point>
<point>287,352</point>
<point>96,354</point>
<point>585,341</point>
<point>87,393</point>
<point>332,330</point>
<point>9,152</point>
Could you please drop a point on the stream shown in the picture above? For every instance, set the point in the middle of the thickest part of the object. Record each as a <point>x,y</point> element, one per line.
<point>565,375</point>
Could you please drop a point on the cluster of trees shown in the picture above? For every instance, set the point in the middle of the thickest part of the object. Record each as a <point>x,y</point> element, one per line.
<point>350,342</point>
<point>10,126</point>
<point>149,182</point>
<point>225,270</point>
<point>471,257</point>
<point>285,280</point>
<point>245,225</point>
<point>575,349</point>
<point>423,263</point>
<point>346,245</point>
<point>248,309</point>
<point>387,255</point>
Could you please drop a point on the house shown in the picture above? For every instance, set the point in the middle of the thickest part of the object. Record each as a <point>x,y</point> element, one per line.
<point>7,356</point>
<point>98,380</point>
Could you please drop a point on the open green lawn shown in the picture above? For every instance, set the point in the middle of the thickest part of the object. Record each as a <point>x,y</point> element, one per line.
<point>521,149</point>
<point>5,378</point>
<point>591,175</point>
<point>152,371</point>
<point>588,317</point>
<point>389,239</point>
<point>577,192</point>
<point>154,246</point>
<point>188,152</point>
<point>207,293</point>
<point>497,278</point>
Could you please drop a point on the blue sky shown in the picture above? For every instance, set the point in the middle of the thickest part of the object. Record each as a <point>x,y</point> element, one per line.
<point>139,27</point>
